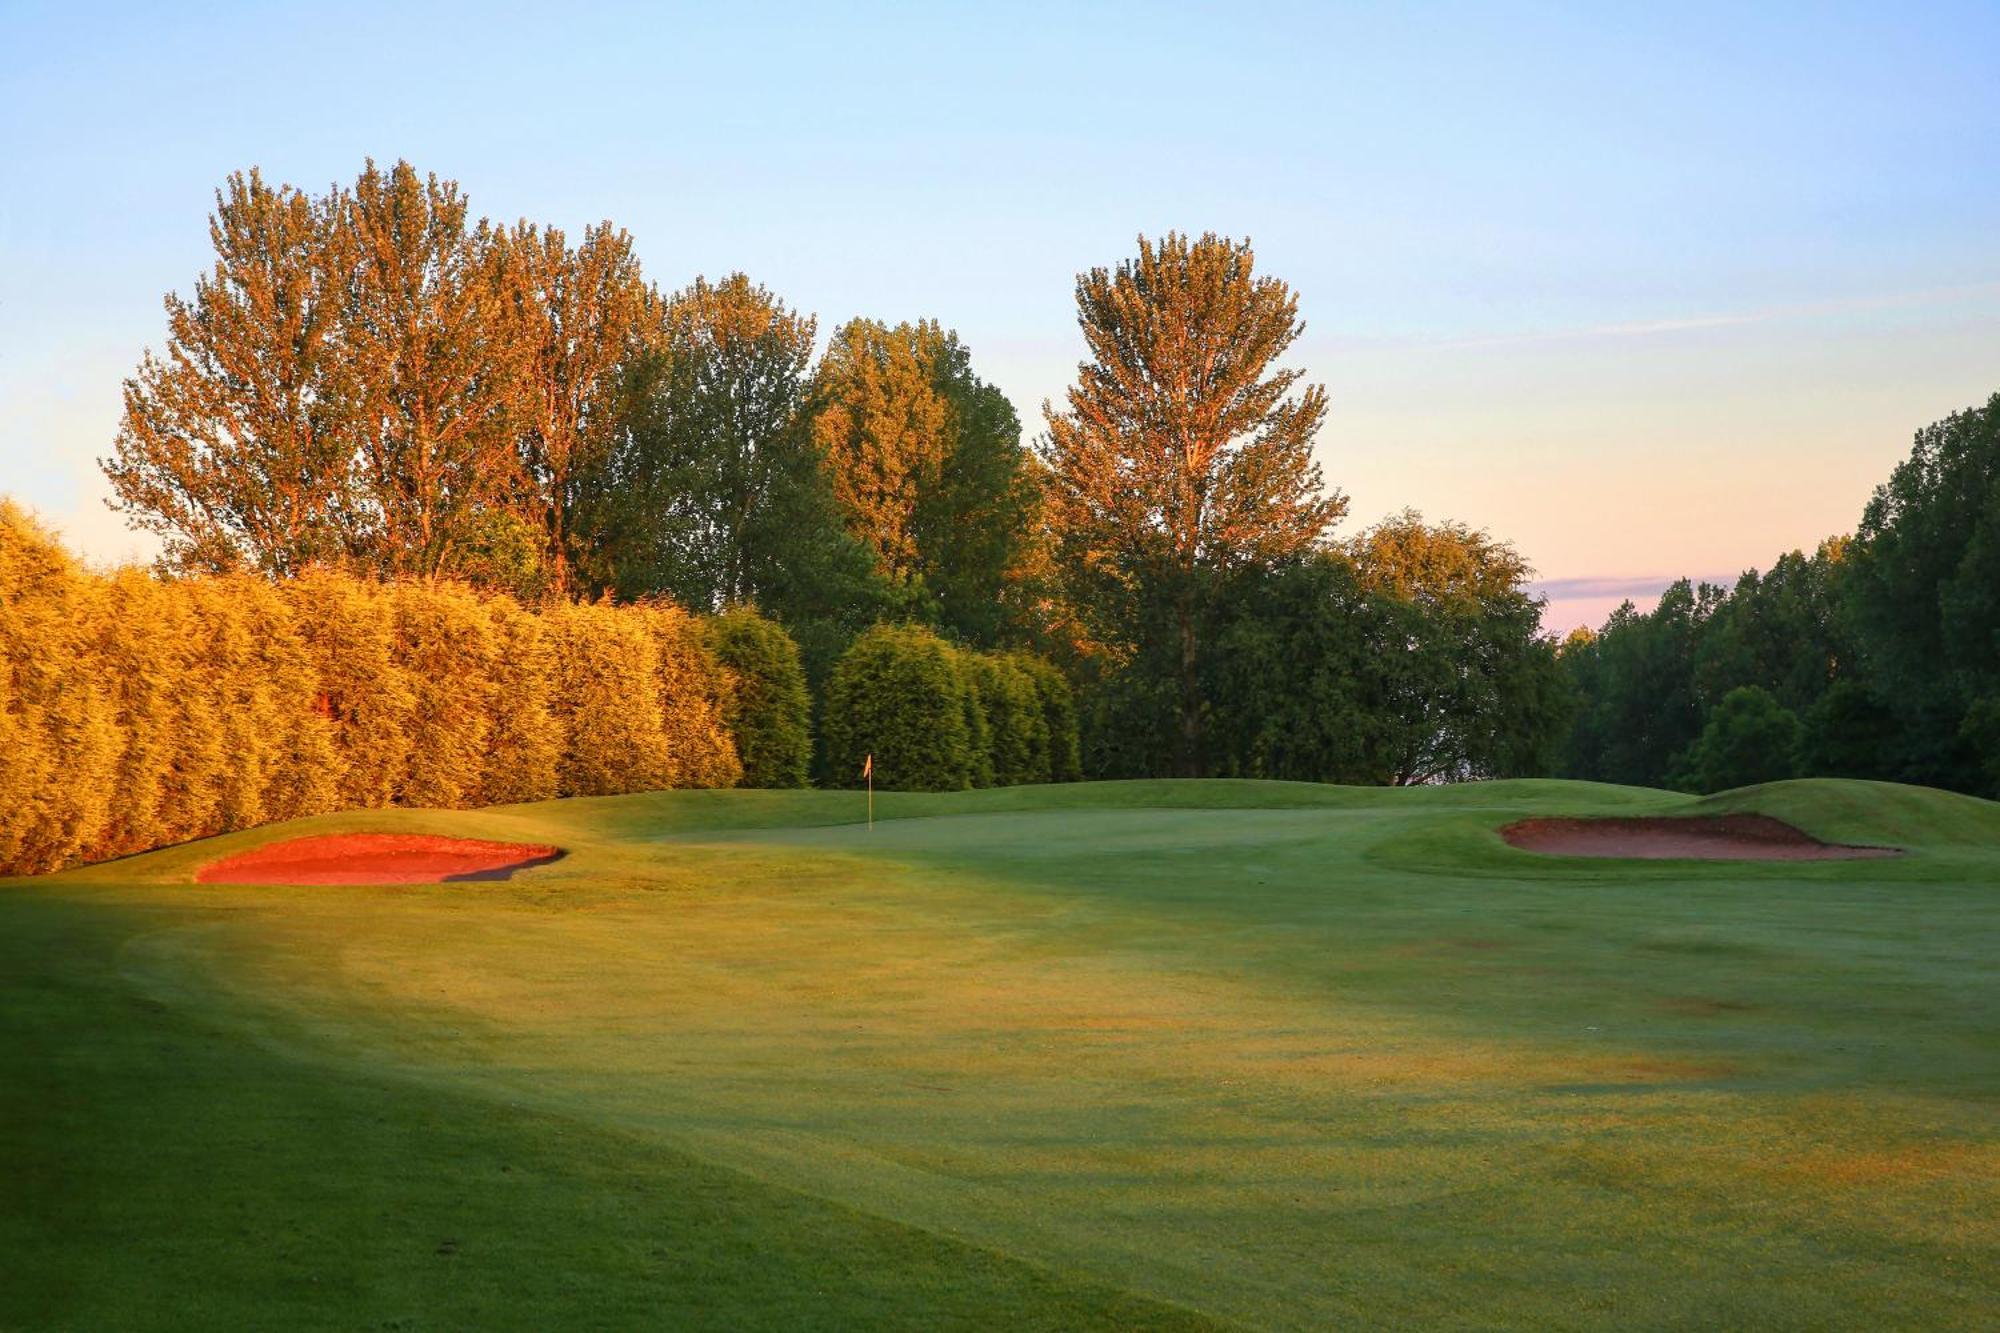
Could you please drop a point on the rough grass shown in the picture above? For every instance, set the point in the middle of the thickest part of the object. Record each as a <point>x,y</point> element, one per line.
<point>1118,1055</point>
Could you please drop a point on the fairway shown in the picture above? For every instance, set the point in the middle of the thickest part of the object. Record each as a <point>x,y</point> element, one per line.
<point>1148,1054</point>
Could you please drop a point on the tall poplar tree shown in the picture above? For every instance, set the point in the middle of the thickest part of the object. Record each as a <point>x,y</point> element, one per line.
<point>438,367</point>
<point>927,462</point>
<point>1184,451</point>
<point>711,490</point>
<point>236,441</point>
<point>583,314</point>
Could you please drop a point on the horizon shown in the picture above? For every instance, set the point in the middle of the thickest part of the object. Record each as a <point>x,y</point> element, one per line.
<point>1569,280</point>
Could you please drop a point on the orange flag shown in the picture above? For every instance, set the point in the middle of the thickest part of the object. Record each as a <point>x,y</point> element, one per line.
<point>868,767</point>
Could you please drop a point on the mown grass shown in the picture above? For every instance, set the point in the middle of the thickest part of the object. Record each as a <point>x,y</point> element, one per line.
<point>1119,1055</point>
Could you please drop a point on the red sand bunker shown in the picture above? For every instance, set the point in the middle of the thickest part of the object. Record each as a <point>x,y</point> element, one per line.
<point>376,858</point>
<point>1701,838</point>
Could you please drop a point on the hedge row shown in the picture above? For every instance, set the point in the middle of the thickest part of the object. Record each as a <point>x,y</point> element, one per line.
<point>136,712</point>
<point>939,718</point>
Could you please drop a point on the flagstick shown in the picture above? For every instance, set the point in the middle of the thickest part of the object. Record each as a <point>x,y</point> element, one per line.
<point>871,796</point>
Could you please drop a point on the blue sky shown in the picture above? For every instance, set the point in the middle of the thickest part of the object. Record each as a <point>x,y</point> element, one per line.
<point>1649,291</point>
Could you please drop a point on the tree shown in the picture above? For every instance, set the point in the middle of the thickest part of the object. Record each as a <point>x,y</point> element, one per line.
<point>768,712</point>
<point>711,491</point>
<point>1925,595</point>
<point>581,315</point>
<point>435,367</point>
<point>1183,452</point>
<point>236,442</point>
<point>926,461</point>
<point>1640,707</point>
<point>898,694</point>
<point>1462,669</point>
<point>1750,737</point>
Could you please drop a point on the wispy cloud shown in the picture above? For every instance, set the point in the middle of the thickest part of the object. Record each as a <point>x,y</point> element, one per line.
<point>1635,586</point>
<point>1648,328</point>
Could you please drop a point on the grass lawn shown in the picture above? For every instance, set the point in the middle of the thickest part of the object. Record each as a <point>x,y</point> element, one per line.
<point>1174,1055</point>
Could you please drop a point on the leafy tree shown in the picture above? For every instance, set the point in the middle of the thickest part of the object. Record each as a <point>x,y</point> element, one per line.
<point>236,442</point>
<point>1058,705</point>
<point>1925,595</point>
<point>1412,655</point>
<point>1750,737</point>
<point>711,491</point>
<point>899,695</point>
<point>926,461</point>
<point>768,711</point>
<point>1183,453</point>
<point>1640,706</point>
<point>579,316</point>
<point>434,372</point>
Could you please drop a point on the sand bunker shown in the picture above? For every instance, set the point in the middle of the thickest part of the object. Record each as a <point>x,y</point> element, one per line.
<point>1702,838</point>
<point>376,858</point>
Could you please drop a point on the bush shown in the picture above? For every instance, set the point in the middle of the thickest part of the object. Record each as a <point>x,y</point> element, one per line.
<point>59,740</point>
<point>898,694</point>
<point>1750,738</point>
<point>692,698</point>
<point>348,628</point>
<point>605,671</point>
<point>1017,728</point>
<point>1058,705</point>
<point>444,644</point>
<point>526,742</point>
<point>769,711</point>
<point>136,712</point>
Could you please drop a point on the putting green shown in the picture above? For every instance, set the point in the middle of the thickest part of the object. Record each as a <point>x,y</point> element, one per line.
<point>1121,1055</point>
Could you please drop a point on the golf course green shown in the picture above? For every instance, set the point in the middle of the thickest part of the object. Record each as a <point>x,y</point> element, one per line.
<point>1120,1055</point>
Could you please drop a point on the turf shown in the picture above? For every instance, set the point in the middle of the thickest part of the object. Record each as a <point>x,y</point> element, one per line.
<point>1112,1055</point>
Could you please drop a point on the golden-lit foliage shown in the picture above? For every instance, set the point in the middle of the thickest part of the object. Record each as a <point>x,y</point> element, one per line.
<point>136,712</point>
<point>59,735</point>
<point>371,377</point>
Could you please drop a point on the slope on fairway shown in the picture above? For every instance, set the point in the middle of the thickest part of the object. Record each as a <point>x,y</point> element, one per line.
<point>1117,1054</point>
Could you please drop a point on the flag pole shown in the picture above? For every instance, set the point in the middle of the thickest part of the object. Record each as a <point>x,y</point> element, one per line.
<point>868,771</point>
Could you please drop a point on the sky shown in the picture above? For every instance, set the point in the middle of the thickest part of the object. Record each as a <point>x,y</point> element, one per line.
<point>1648,291</point>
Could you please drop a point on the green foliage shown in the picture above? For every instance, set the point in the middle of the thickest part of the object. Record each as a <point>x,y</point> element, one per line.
<point>1926,597</point>
<point>898,693</point>
<point>1059,720</point>
<point>691,700</point>
<point>1882,645</point>
<point>1017,730</point>
<point>926,461</point>
<point>1750,737</point>
<point>1413,656</point>
<point>768,710</point>
<point>710,490</point>
<point>1184,453</point>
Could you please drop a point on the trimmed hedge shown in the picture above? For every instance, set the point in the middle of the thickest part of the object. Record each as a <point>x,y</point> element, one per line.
<point>938,718</point>
<point>769,711</point>
<point>898,694</point>
<point>136,712</point>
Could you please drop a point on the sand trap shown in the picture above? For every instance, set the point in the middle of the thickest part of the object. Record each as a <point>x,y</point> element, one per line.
<point>376,858</point>
<point>1701,838</point>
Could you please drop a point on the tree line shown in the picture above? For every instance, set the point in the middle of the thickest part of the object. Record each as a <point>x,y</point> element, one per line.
<point>137,711</point>
<point>371,380</point>
<point>1877,656</point>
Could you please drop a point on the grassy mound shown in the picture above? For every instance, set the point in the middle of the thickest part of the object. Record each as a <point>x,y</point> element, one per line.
<point>1106,1055</point>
